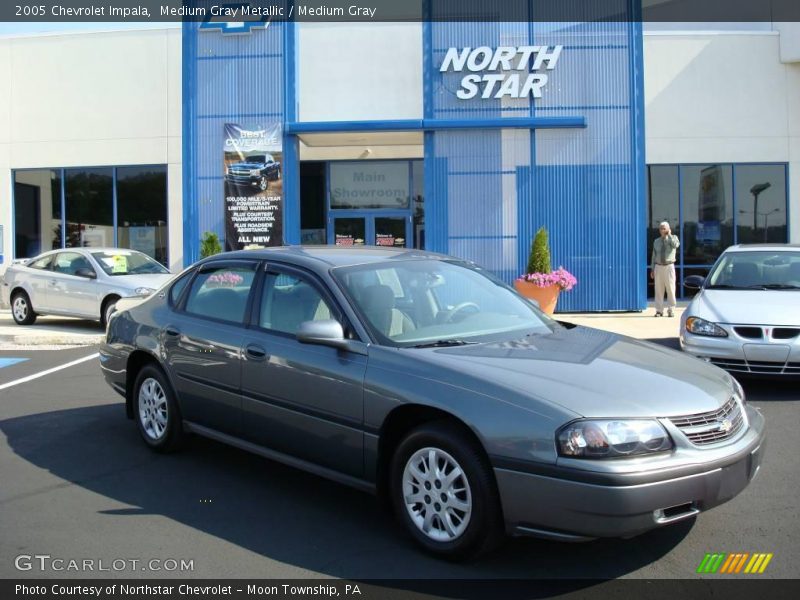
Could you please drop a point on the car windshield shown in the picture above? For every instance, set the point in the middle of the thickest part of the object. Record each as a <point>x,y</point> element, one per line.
<point>757,270</point>
<point>256,158</point>
<point>127,262</point>
<point>438,303</point>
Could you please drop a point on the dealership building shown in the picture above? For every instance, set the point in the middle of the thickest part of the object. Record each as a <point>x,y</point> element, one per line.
<point>462,138</point>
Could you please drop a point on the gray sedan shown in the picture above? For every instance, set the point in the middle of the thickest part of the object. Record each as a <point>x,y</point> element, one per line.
<point>428,381</point>
<point>79,282</point>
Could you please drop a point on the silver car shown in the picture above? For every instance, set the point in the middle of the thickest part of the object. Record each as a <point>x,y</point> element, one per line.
<point>425,379</point>
<point>746,316</point>
<point>79,282</point>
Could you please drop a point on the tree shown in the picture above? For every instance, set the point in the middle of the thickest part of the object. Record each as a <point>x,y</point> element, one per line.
<point>539,259</point>
<point>209,244</point>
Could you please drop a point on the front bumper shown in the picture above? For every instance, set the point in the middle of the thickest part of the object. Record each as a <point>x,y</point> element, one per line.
<point>742,355</point>
<point>242,180</point>
<point>570,508</point>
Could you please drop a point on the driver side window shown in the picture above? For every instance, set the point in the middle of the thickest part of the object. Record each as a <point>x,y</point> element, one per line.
<point>289,300</point>
<point>69,263</point>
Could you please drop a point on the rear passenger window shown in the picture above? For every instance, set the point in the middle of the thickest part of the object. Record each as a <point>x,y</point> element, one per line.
<point>221,293</point>
<point>42,263</point>
<point>288,301</point>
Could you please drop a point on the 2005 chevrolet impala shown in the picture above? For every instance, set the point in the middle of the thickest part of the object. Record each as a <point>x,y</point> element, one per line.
<point>423,377</point>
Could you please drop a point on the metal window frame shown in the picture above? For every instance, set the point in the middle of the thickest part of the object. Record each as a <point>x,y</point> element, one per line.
<point>63,198</point>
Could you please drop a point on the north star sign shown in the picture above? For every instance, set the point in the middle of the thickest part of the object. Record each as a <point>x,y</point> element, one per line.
<point>484,62</point>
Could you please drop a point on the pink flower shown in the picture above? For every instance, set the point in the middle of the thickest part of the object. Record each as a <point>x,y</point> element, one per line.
<point>560,277</point>
<point>226,279</point>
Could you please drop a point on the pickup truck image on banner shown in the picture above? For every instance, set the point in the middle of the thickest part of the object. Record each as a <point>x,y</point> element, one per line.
<point>253,186</point>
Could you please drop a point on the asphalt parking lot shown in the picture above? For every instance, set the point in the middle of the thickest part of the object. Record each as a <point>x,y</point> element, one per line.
<point>77,483</point>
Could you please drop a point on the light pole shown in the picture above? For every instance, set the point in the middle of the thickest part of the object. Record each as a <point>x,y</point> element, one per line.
<point>756,191</point>
<point>763,214</point>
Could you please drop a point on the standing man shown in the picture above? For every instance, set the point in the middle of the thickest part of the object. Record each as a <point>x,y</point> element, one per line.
<point>663,261</point>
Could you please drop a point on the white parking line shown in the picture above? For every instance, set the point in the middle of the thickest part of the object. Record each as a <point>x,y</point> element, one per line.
<point>48,371</point>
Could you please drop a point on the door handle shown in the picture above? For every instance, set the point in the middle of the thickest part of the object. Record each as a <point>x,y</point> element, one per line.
<point>172,332</point>
<point>255,352</point>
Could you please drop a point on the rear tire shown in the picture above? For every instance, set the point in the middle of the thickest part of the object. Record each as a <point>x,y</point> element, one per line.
<point>157,415</point>
<point>22,309</point>
<point>444,493</point>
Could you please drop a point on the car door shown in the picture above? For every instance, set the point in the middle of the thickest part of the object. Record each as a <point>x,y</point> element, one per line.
<point>36,275</point>
<point>301,399</point>
<point>70,290</point>
<point>202,341</point>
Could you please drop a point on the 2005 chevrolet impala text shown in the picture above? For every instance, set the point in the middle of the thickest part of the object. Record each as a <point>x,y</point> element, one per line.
<point>424,378</point>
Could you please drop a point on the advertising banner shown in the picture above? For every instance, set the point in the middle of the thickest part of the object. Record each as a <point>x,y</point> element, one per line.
<point>253,186</point>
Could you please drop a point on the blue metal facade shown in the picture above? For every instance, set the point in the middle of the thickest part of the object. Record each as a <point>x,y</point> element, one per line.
<point>572,161</point>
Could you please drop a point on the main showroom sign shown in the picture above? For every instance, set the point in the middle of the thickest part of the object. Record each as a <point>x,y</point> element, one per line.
<point>502,72</point>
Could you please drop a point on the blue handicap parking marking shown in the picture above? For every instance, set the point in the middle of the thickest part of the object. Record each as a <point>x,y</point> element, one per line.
<point>7,362</point>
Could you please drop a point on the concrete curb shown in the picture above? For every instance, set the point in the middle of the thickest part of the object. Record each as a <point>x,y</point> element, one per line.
<point>51,340</point>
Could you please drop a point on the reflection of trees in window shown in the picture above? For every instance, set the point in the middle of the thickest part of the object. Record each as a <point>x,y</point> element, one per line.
<point>89,204</point>
<point>142,210</point>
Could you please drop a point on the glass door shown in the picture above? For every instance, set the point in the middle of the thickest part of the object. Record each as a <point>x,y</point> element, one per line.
<point>392,231</point>
<point>349,231</point>
<point>372,229</point>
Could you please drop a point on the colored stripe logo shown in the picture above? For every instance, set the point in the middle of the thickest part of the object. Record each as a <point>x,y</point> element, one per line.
<point>735,562</point>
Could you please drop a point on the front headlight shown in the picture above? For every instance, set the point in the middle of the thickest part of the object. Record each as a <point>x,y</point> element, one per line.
<point>699,326</point>
<point>143,291</point>
<point>612,438</point>
<point>255,172</point>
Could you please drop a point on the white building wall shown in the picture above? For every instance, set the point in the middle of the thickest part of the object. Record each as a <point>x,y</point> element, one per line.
<point>93,99</point>
<point>359,71</point>
<point>723,97</point>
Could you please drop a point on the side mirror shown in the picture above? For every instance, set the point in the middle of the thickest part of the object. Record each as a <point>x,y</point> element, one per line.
<point>87,273</point>
<point>694,282</point>
<point>327,333</point>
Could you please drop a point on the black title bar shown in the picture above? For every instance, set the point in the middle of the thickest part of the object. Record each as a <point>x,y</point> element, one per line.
<point>691,11</point>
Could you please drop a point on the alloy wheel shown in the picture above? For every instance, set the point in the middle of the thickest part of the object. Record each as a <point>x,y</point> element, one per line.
<point>437,494</point>
<point>20,308</point>
<point>153,412</point>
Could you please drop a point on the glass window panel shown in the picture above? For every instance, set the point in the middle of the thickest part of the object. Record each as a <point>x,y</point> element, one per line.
<point>418,180</point>
<point>761,203</point>
<point>390,231</point>
<point>142,210</point>
<point>707,212</point>
<point>369,184</point>
<point>89,206</point>
<point>662,205</point>
<point>289,301</point>
<point>221,293</point>
<point>350,231</point>
<point>37,212</point>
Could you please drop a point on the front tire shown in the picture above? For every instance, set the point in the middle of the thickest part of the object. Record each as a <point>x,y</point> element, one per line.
<point>263,183</point>
<point>156,411</point>
<point>109,306</point>
<point>444,493</point>
<point>22,309</point>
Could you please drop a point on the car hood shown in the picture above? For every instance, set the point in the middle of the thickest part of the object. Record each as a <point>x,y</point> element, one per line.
<point>757,307</point>
<point>131,282</point>
<point>246,165</point>
<point>589,372</point>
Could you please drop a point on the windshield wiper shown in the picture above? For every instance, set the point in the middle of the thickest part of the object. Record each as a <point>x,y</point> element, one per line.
<point>780,286</point>
<point>444,343</point>
<point>723,286</point>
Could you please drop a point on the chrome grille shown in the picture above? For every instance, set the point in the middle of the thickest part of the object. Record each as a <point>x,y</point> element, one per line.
<point>712,427</point>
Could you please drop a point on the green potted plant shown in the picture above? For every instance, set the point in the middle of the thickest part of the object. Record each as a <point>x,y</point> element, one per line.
<point>540,282</point>
<point>209,244</point>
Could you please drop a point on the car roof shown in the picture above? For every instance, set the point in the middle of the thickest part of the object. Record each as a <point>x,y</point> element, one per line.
<point>763,248</point>
<point>331,256</point>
